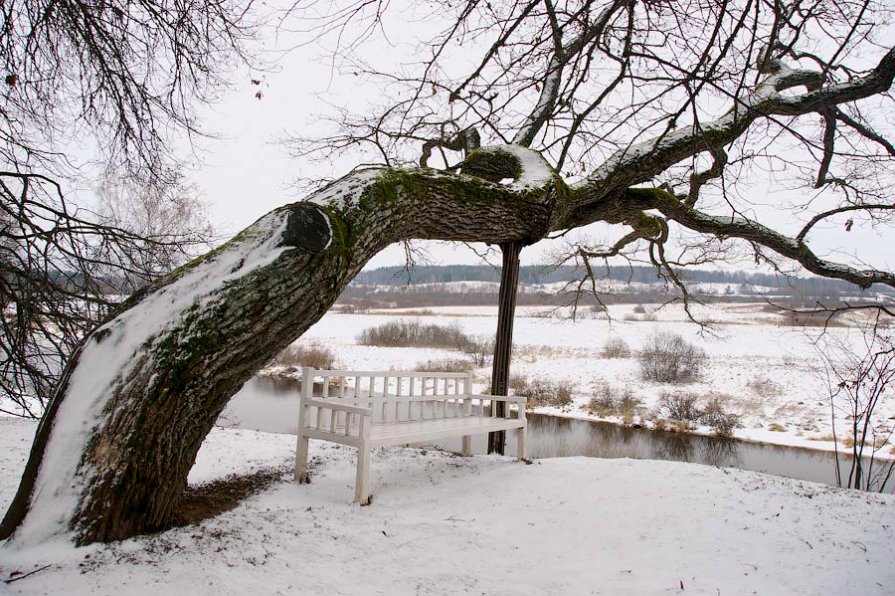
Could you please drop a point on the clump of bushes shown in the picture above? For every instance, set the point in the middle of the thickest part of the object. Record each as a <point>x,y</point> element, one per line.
<point>404,333</point>
<point>299,356</point>
<point>413,334</point>
<point>541,392</point>
<point>668,358</point>
<point>680,406</point>
<point>607,401</point>
<point>691,408</point>
<point>615,347</point>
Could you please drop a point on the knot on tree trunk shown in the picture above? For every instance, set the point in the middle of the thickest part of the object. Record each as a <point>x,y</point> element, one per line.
<point>307,227</point>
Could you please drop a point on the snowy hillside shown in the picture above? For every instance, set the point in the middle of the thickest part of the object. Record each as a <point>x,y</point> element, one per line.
<point>442,524</point>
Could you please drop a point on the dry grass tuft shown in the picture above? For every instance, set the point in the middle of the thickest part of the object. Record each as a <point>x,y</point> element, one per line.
<point>763,386</point>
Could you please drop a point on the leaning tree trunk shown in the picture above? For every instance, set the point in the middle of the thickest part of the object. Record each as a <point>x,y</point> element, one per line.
<point>111,456</point>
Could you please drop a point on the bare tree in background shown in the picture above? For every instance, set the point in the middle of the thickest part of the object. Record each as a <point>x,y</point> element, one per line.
<point>117,77</point>
<point>171,217</point>
<point>656,117</point>
<point>860,375</point>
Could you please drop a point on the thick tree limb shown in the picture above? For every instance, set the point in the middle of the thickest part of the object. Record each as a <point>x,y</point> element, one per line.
<point>737,227</point>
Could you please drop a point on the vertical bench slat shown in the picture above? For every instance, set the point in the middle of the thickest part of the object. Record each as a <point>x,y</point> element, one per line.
<point>386,402</point>
<point>412,383</point>
<point>397,399</point>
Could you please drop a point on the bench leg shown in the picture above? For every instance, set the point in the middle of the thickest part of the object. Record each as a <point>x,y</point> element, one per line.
<point>362,494</point>
<point>522,443</point>
<point>466,447</point>
<point>301,460</point>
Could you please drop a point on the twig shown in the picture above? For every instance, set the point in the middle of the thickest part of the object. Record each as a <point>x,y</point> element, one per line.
<point>30,573</point>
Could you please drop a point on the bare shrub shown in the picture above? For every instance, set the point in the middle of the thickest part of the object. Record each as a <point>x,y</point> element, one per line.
<point>446,365</point>
<point>639,309</point>
<point>650,317</point>
<point>668,358</point>
<point>615,347</point>
<point>607,401</point>
<point>517,383</point>
<point>405,333</point>
<point>298,356</point>
<point>630,317</point>
<point>541,392</point>
<point>715,415</point>
<point>480,348</point>
<point>681,406</point>
<point>860,376</point>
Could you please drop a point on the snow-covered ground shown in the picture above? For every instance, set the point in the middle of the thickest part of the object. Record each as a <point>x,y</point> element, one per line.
<point>767,372</point>
<point>442,524</point>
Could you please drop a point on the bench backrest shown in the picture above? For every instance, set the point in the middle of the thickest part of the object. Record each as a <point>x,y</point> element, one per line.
<point>395,396</point>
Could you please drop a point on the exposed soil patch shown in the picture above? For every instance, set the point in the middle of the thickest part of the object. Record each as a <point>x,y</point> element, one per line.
<point>213,498</point>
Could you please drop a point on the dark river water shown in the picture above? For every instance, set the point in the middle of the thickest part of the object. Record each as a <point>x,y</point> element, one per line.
<point>271,404</point>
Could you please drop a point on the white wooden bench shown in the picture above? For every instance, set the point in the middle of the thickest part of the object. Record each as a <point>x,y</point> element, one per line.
<point>370,409</point>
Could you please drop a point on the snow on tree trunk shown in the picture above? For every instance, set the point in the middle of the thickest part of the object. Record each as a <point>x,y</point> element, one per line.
<point>112,455</point>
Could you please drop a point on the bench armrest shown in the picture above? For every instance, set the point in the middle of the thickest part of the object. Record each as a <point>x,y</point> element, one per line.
<point>333,405</point>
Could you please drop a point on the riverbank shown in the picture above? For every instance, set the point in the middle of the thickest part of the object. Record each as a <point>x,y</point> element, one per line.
<point>759,436</point>
<point>442,524</point>
<point>756,365</point>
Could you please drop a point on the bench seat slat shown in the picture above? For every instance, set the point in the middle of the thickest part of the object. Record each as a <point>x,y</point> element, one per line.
<point>400,433</point>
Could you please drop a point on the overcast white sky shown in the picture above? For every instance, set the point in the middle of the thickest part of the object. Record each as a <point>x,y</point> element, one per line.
<point>246,172</point>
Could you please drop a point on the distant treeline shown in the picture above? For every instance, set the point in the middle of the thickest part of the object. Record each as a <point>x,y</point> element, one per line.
<point>529,275</point>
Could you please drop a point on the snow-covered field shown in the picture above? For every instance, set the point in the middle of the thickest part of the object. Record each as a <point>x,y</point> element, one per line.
<point>442,524</point>
<point>768,373</point>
